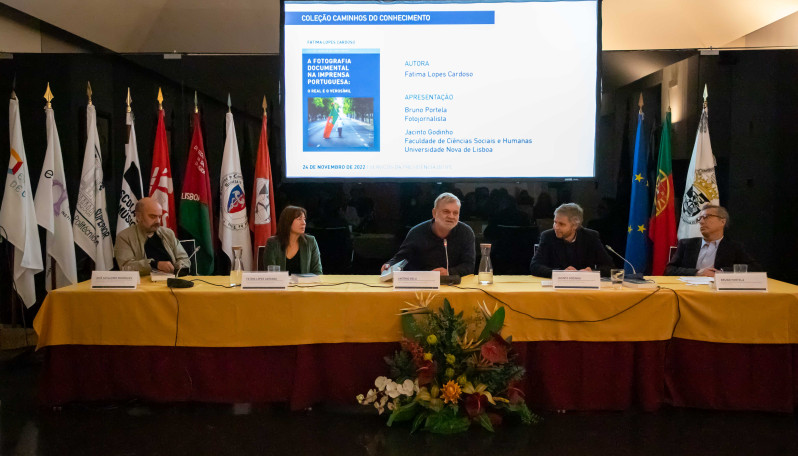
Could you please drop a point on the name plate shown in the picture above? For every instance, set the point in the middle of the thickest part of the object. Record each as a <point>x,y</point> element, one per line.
<point>576,280</point>
<point>741,281</point>
<point>264,280</point>
<point>416,280</point>
<point>115,280</point>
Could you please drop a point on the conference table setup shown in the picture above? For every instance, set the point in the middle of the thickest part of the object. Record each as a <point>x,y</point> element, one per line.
<point>609,349</point>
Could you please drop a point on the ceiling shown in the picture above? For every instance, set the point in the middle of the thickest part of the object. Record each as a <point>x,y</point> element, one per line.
<point>252,26</point>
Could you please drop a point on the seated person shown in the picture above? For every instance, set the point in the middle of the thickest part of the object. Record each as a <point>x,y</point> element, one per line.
<point>443,241</point>
<point>705,255</point>
<point>147,246</point>
<point>569,246</point>
<point>292,249</point>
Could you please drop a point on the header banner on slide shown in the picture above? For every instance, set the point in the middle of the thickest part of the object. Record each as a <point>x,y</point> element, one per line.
<point>382,18</point>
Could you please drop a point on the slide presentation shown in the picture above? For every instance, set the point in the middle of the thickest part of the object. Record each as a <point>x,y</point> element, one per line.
<point>440,89</point>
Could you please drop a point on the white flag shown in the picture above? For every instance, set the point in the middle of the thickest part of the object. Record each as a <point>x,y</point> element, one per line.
<point>17,214</point>
<point>701,186</point>
<point>90,225</point>
<point>52,211</point>
<point>131,179</point>
<point>233,224</point>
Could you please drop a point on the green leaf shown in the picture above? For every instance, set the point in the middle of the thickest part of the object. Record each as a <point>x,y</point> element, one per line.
<point>494,324</point>
<point>484,421</point>
<point>403,413</point>
<point>447,421</point>
<point>410,328</point>
<point>418,421</point>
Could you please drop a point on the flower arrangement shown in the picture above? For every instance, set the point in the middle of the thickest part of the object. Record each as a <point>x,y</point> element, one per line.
<point>451,372</point>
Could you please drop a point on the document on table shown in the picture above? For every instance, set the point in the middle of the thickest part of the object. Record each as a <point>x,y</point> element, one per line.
<point>697,280</point>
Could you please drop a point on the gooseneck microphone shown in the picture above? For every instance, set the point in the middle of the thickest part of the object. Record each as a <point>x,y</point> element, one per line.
<point>634,274</point>
<point>181,283</point>
<point>448,279</point>
<point>446,251</point>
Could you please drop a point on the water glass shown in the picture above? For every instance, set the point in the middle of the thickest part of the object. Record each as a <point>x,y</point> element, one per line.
<point>273,268</point>
<point>616,277</point>
<point>740,268</point>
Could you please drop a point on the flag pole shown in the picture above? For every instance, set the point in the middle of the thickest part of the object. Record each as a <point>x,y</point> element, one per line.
<point>88,91</point>
<point>48,95</point>
<point>196,107</point>
<point>128,100</point>
<point>640,104</point>
<point>265,105</point>
<point>160,100</point>
<point>705,96</point>
<point>229,104</point>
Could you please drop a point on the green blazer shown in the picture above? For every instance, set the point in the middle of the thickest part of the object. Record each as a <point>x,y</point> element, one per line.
<point>308,248</point>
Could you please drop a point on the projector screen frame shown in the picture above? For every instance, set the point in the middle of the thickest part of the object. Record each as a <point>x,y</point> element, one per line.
<point>470,179</point>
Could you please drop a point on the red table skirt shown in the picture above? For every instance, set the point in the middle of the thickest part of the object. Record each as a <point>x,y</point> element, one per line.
<point>560,375</point>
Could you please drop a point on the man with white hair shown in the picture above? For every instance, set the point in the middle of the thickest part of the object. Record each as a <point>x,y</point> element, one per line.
<point>147,246</point>
<point>443,244</point>
<point>569,246</point>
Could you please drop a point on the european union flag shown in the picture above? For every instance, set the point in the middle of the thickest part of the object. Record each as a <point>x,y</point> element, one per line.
<point>637,231</point>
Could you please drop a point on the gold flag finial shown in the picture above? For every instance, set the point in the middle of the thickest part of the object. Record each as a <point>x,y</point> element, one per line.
<point>640,103</point>
<point>160,99</point>
<point>229,103</point>
<point>705,95</point>
<point>128,100</point>
<point>88,91</point>
<point>196,107</point>
<point>14,87</point>
<point>265,105</point>
<point>48,95</point>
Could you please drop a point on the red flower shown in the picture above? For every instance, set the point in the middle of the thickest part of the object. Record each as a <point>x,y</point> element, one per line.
<point>494,351</point>
<point>426,373</point>
<point>495,419</point>
<point>514,394</point>
<point>475,405</point>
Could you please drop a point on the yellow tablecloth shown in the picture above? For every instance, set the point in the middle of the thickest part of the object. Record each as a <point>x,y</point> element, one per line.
<point>347,310</point>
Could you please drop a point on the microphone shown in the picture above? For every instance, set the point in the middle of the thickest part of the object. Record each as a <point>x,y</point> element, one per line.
<point>634,275</point>
<point>448,279</point>
<point>182,283</point>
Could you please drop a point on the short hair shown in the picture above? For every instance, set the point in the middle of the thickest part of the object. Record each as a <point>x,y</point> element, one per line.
<point>573,211</point>
<point>137,209</point>
<point>444,198</point>
<point>287,217</point>
<point>721,211</point>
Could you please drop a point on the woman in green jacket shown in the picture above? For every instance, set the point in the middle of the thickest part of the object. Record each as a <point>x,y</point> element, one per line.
<point>292,249</point>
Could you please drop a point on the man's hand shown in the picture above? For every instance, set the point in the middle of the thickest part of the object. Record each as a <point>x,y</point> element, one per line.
<point>384,267</point>
<point>570,268</point>
<point>166,266</point>
<point>707,272</point>
<point>586,269</point>
<point>442,271</point>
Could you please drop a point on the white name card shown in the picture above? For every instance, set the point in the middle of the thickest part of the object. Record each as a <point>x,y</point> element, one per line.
<point>114,280</point>
<point>741,281</point>
<point>264,280</point>
<point>416,280</point>
<point>576,280</point>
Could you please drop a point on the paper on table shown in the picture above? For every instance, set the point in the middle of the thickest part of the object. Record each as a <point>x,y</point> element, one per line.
<point>697,280</point>
<point>160,276</point>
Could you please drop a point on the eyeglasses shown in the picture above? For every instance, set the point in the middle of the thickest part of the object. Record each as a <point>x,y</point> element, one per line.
<point>703,217</point>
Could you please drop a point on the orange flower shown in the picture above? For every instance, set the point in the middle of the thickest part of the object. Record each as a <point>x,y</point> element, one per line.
<point>450,392</point>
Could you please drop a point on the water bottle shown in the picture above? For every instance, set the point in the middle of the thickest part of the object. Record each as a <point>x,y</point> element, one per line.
<point>236,268</point>
<point>485,266</point>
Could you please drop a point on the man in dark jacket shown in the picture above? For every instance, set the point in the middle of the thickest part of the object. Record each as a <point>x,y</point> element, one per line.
<point>569,246</point>
<point>712,252</point>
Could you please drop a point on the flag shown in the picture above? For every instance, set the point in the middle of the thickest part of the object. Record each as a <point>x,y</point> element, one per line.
<point>264,221</point>
<point>90,224</point>
<point>233,225</point>
<point>331,121</point>
<point>52,211</point>
<point>701,186</point>
<point>17,213</point>
<point>132,188</point>
<point>636,246</point>
<point>662,226</point>
<point>196,202</point>
<point>161,189</point>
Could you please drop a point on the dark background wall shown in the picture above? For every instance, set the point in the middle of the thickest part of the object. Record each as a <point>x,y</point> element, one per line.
<point>753,113</point>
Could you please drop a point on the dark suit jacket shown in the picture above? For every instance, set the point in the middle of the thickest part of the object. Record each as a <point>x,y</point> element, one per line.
<point>729,253</point>
<point>589,252</point>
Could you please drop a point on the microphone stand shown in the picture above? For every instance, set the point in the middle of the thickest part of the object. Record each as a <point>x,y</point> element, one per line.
<point>182,283</point>
<point>634,275</point>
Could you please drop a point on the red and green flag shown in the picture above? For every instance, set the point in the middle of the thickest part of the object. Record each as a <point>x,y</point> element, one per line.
<point>662,227</point>
<point>195,201</point>
<point>331,119</point>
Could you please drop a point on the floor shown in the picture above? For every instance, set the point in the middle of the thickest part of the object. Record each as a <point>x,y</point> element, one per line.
<point>135,428</point>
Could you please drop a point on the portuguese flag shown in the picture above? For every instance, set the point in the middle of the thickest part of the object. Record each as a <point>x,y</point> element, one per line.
<point>662,227</point>
<point>196,202</point>
<point>331,121</point>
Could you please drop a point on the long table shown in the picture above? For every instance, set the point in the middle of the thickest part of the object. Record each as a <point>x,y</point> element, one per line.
<point>583,350</point>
